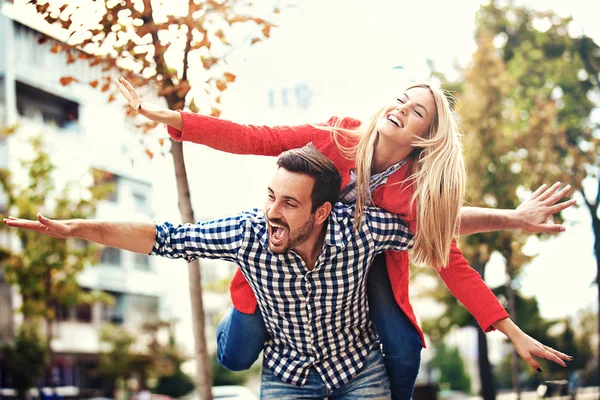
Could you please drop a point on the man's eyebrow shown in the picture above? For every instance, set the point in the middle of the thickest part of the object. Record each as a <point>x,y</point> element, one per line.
<point>418,104</point>
<point>285,197</point>
<point>292,198</point>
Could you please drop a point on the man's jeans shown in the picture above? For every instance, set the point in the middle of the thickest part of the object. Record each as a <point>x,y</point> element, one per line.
<point>370,383</point>
<point>240,337</point>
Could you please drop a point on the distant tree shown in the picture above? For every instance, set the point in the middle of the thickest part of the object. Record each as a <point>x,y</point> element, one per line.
<point>45,270</point>
<point>451,366</point>
<point>555,76</point>
<point>25,358</point>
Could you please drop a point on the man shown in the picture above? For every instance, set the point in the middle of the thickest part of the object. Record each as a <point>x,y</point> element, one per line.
<point>307,265</point>
<point>305,262</point>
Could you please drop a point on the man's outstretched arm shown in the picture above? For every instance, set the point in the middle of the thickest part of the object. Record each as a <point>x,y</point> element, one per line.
<point>138,237</point>
<point>531,215</point>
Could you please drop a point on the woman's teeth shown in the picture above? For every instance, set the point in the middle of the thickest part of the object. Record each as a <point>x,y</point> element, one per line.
<point>394,120</point>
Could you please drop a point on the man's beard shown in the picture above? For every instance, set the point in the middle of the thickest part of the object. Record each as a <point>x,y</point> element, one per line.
<point>301,235</point>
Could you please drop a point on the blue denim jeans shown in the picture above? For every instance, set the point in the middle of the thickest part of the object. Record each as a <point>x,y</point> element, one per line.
<point>240,337</point>
<point>370,383</point>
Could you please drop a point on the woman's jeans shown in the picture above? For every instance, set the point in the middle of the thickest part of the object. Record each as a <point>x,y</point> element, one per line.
<point>241,337</point>
<point>371,383</point>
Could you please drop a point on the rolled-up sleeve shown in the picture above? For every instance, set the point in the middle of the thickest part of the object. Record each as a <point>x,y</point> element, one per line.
<point>219,239</point>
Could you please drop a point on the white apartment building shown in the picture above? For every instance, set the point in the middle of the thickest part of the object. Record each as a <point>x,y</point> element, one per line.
<point>81,131</point>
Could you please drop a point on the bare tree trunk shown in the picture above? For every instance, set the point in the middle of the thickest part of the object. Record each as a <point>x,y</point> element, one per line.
<point>512,310</point>
<point>488,389</point>
<point>593,208</point>
<point>203,372</point>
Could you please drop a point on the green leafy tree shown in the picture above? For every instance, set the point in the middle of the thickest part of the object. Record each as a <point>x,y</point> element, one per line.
<point>557,74</point>
<point>25,358</point>
<point>45,270</point>
<point>501,141</point>
<point>449,363</point>
<point>157,46</point>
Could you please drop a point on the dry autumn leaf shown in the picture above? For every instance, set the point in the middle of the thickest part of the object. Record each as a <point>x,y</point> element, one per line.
<point>67,80</point>
<point>221,85</point>
<point>229,77</point>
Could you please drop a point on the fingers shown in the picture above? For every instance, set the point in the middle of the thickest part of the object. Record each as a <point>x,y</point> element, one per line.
<point>22,223</point>
<point>558,195</point>
<point>546,228</point>
<point>558,353</point>
<point>550,356</point>
<point>122,89</point>
<point>127,85</point>
<point>43,220</point>
<point>561,206</point>
<point>538,191</point>
<point>532,362</point>
<point>548,192</point>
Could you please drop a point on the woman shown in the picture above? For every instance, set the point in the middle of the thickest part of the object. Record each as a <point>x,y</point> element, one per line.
<point>406,159</point>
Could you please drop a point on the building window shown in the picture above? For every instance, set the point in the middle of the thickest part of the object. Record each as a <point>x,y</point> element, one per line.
<point>284,98</point>
<point>62,312</point>
<point>271,98</point>
<point>83,313</point>
<point>111,256</point>
<point>140,202</point>
<point>115,314</point>
<point>47,108</point>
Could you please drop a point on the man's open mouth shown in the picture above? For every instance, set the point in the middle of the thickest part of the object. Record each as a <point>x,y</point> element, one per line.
<point>277,233</point>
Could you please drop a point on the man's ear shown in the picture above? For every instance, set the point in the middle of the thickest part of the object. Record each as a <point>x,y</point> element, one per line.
<point>322,213</point>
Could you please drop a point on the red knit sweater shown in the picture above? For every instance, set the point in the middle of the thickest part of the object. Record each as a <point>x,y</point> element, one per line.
<point>394,196</point>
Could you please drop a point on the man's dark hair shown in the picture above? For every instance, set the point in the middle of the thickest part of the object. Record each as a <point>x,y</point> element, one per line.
<point>309,161</point>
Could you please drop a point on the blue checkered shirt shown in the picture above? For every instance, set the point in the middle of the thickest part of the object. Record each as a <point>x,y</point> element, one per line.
<point>317,319</point>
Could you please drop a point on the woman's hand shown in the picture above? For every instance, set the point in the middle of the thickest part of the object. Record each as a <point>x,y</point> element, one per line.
<point>529,348</point>
<point>152,112</point>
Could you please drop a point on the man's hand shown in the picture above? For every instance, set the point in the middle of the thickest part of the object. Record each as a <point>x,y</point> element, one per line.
<point>534,212</point>
<point>138,237</point>
<point>57,229</point>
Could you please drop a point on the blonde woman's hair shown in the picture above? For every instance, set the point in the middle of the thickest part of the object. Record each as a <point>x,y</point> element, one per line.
<point>438,175</point>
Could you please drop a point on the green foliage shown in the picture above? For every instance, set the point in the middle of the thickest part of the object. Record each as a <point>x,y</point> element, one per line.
<point>157,362</point>
<point>453,374</point>
<point>175,386</point>
<point>46,269</point>
<point>25,358</point>
<point>222,376</point>
<point>524,107</point>
<point>118,361</point>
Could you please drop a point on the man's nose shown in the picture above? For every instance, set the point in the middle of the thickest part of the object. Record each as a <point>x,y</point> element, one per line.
<point>274,212</point>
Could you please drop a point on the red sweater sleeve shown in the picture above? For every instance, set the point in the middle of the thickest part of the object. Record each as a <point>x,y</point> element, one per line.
<point>231,137</point>
<point>470,289</point>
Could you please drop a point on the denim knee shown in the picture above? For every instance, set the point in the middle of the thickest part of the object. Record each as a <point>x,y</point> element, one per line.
<point>240,339</point>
